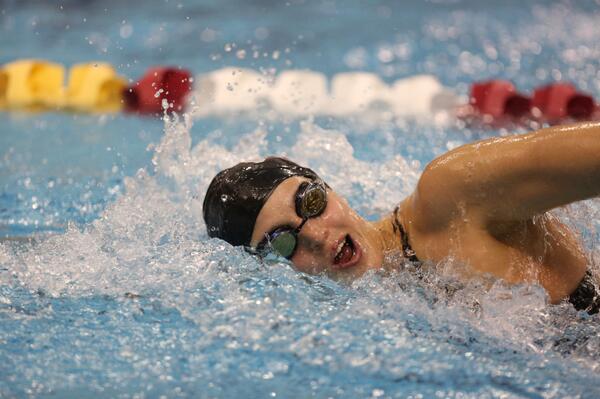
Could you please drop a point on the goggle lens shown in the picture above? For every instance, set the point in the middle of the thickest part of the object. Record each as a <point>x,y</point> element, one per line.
<point>311,201</point>
<point>284,243</point>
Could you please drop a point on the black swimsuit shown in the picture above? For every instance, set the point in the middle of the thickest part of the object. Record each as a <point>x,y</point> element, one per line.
<point>585,297</point>
<point>407,251</point>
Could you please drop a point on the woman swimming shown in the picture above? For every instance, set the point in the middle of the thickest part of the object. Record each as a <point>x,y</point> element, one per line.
<point>483,204</point>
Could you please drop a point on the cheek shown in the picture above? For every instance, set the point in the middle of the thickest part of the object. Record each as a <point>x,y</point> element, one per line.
<point>338,213</point>
<point>307,263</point>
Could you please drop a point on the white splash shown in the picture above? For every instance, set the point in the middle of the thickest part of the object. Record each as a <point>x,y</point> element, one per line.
<point>154,233</point>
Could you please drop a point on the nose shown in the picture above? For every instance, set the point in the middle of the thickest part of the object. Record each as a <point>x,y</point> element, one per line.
<point>314,234</point>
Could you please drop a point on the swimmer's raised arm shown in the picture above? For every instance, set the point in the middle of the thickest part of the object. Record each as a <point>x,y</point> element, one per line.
<point>511,178</point>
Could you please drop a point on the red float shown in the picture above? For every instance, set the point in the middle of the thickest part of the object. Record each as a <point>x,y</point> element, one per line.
<point>498,98</point>
<point>158,83</point>
<point>562,100</point>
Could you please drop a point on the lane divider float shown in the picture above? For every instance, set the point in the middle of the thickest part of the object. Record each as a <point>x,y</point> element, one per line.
<point>562,100</point>
<point>32,85</point>
<point>305,93</point>
<point>160,89</point>
<point>499,100</point>
<point>95,87</point>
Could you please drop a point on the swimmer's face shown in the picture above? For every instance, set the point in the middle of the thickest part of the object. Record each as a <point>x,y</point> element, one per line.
<point>338,242</point>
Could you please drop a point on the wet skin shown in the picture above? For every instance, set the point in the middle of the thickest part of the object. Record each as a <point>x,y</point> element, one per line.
<point>484,205</point>
<point>321,236</point>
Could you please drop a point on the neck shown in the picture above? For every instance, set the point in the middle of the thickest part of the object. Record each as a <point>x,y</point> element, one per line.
<point>388,235</point>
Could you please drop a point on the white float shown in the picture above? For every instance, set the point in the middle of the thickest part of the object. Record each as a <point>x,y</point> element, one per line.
<point>230,90</point>
<point>300,92</point>
<point>356,92</point>
<point>420,96</point>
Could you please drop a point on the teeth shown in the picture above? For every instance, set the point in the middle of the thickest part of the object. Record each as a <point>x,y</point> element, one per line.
<point>340,246</point>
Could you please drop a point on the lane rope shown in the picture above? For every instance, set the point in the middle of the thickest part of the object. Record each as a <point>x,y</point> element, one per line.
<point>95,87</point>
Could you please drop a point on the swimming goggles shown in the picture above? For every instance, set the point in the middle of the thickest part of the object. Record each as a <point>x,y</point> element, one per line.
<point>311,201</point>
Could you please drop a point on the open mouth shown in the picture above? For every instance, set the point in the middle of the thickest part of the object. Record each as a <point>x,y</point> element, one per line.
<point>347,253</point>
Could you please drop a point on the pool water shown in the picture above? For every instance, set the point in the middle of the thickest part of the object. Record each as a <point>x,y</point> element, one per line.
<point>110,287</point>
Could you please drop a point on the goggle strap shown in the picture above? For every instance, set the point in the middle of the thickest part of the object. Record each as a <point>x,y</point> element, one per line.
<point>297,229</point>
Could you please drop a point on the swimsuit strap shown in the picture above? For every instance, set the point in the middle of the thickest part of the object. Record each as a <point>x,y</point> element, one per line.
<point>407,251</point>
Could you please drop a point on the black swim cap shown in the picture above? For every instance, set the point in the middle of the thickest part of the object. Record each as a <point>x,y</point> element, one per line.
<point>236,195</point>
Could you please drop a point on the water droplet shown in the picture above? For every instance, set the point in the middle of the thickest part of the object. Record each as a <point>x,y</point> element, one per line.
<point>125,31</point>
<point>377,393</point>
<point>261,33</point>
<point>208,35</point>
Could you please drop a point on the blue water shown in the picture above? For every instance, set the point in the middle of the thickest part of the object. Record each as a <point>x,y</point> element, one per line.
<point>121,294</point>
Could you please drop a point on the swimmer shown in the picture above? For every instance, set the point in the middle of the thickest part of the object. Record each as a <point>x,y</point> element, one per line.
<point>484,204</point>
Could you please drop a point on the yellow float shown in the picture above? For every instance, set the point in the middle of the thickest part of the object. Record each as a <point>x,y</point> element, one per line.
<point>3,85</point>
<point>32,85</point>
<point>94,87</point>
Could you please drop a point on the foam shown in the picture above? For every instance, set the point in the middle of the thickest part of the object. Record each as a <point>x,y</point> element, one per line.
<point>165,206</point>
<point>156,227</point>
<point>144,283</point>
